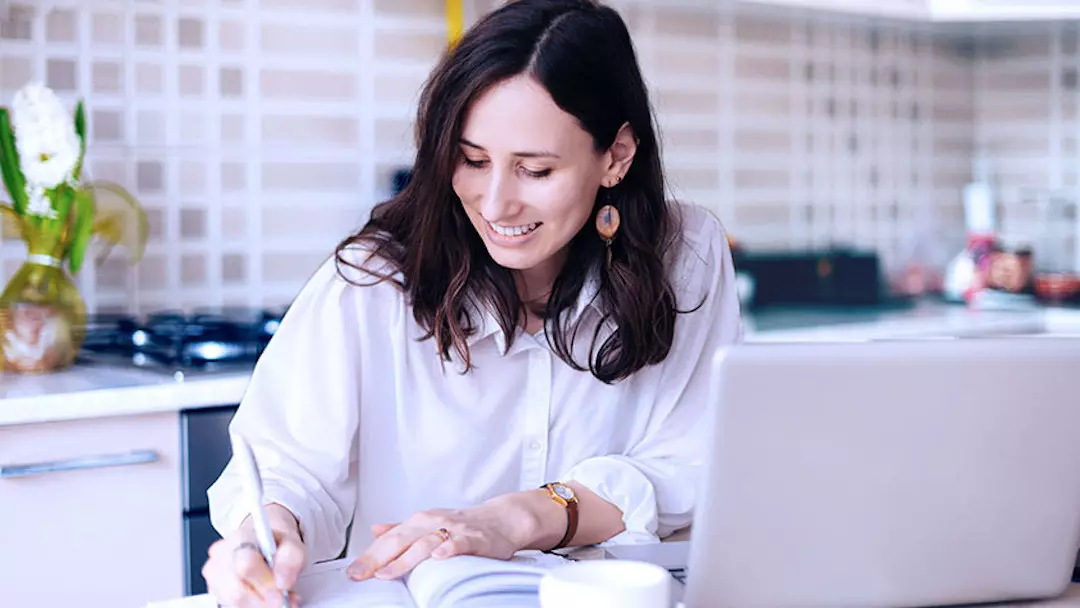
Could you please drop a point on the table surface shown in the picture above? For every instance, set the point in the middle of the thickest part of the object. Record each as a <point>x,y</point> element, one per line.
<point>1070,599</point>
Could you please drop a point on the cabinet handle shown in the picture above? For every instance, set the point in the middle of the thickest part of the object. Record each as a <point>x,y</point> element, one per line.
<point>76,464</point>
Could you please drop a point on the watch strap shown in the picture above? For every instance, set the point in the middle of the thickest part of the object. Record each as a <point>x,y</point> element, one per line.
<point>571,507</point>
<point>571,524</point>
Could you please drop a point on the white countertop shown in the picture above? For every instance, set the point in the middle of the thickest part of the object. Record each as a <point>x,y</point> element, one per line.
<point>931,320</point>
<point>99,391</point>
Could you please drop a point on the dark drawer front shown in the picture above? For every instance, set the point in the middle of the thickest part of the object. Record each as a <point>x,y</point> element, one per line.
<point>206,451</point>
<point>198,536</point>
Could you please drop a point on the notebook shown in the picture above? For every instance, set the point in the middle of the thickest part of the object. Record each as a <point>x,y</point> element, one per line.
<point>463,581</point>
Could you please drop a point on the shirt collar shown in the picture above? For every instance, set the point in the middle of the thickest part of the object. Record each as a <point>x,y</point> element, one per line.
<point>488,323</point>
<point>589,297</point>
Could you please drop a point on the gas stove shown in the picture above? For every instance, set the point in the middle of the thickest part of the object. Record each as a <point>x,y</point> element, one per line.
<point>181,343</point>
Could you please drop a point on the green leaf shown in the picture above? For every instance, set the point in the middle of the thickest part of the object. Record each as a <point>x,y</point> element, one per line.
<point>9,165</point>
<point>80,129</point>
<point>63,197</point>
<point>46,232</point>
<point>83,226</point>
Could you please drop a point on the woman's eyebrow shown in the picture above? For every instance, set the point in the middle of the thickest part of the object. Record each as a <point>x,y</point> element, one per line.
<point>527,154</point>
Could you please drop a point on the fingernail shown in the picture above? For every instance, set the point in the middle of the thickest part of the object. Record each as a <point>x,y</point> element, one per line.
<point>357,572</point>
<point>385,573</point>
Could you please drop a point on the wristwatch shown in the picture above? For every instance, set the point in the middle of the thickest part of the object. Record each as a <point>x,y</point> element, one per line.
<point>564,495</point>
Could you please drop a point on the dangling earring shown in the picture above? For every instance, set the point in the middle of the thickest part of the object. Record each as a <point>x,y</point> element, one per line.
<point>607,223</point>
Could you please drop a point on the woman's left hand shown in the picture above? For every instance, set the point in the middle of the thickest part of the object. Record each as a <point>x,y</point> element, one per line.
<point>497,529</point>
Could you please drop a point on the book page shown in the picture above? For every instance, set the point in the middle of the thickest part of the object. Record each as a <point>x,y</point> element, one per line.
<point>327,586</point>
<point>478,582</point>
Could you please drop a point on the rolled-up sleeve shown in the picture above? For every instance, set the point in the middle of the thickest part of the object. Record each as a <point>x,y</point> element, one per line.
<point>300,415</point>
<point>654,483</point>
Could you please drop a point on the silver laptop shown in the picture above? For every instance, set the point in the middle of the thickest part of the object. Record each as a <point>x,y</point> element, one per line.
<point>897,473</point>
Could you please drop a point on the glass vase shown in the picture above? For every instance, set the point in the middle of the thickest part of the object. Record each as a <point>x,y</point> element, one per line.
<point>42,317</point>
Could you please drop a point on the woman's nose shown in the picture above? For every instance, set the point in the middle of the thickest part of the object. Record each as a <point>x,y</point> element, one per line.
<point>498,199</point>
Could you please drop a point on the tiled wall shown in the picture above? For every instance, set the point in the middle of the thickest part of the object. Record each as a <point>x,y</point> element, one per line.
<point>1028,128</point>
<point>259,132</point>
<point>847,134</point>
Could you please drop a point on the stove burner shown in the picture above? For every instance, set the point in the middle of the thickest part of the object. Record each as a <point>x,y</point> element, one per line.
<point>174,340</point>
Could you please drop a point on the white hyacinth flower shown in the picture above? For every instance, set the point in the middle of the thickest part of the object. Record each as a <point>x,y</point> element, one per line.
<point>39,203</point>
<point>45,136</point>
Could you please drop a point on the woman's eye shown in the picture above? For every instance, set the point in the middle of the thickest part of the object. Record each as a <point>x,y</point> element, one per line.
<point>538,174</point>
<point>474,163</point>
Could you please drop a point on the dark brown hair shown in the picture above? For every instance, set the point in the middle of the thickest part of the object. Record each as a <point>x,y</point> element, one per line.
<point>581,53</point>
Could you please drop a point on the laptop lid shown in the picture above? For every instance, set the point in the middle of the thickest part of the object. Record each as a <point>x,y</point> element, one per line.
<point>900,473</point>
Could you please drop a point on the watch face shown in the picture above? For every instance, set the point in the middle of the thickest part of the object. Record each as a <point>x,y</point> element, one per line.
<point>563,492</point>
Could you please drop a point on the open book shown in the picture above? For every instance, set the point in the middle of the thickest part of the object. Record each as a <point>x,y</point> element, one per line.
<point>458,582</point>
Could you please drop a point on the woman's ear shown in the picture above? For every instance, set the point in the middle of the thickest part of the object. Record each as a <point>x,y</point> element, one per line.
<point>620,155</point>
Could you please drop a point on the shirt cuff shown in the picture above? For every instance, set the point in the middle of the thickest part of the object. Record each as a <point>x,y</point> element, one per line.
<point>618,481</point>
<point>228,512</point>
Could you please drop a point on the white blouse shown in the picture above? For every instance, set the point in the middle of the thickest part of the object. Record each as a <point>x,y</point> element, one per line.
<point>351,417</point>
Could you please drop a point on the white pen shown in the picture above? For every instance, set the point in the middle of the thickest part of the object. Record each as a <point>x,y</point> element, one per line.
<point>253,487</point>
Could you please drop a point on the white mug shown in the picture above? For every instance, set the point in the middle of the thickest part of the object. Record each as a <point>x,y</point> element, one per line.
<point>606,584</point>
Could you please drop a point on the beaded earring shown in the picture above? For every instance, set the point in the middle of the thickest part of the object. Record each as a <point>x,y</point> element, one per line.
<point>607,223</point>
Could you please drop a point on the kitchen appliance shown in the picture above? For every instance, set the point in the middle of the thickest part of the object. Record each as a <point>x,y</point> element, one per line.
<point>176,342</point>
<point>834,277</point>
<point>205,449</point>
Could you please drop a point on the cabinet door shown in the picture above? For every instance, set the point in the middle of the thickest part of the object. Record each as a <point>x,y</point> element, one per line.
<point>90,512</point>
<point>1003,10</point>
<point>900,9</point>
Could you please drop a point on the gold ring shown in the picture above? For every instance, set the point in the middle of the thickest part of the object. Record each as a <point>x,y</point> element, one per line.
<point>247,545</point>
<point>443,534</point>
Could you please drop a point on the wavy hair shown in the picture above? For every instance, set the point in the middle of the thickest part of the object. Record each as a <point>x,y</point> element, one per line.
<point>580,51</point>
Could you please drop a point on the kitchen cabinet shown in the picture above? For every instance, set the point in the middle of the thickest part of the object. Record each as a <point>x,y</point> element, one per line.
<point>1003,10</point>
<point>940,10</point>
<point>89,512</point>
<point>899,9</point>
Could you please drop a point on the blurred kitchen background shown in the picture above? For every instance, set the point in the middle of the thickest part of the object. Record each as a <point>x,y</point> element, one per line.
<point>834,139</point>
<point>844,144</point>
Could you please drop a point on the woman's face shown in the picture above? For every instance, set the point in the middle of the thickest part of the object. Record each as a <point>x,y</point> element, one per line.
<point>529,173</point>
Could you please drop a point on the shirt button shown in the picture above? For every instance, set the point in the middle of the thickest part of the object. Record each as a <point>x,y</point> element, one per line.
<point>535,445</point>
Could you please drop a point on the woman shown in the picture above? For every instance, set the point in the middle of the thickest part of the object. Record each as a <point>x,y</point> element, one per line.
<point>527,311</point>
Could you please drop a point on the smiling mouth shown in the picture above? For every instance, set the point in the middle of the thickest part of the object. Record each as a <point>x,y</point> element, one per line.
<point>512,231</point>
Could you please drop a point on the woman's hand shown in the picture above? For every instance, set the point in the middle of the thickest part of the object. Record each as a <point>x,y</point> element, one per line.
<point>498,529</point>
<point>236,574</point>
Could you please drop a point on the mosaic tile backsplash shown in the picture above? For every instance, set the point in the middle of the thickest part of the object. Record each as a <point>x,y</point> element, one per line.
<point>259,132</point>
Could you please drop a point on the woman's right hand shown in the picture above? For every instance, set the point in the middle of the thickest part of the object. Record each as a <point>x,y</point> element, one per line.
<point>238,577</point>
